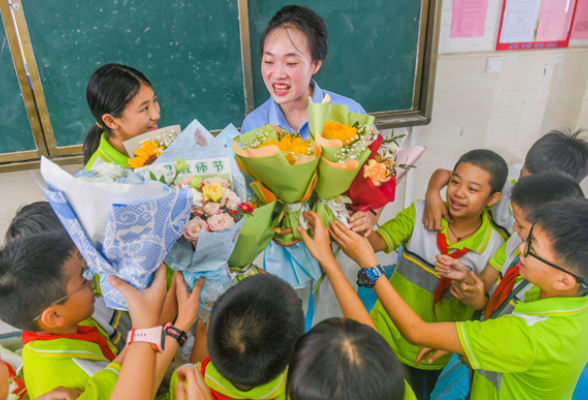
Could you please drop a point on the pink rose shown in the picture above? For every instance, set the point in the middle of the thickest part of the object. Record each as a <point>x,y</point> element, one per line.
<point>197,209</point>
<point>185,181</point>
<point>211,181</point>
<point>194,228</point>
<point>220,221</point>
<point>230,199</point>
<point>211,208</point>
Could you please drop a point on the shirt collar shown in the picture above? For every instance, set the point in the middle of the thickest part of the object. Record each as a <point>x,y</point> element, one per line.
<point>477,242</point>
<point>555,306</point>
<point>109,153</point>
<point>277,117</point>
<point>270,390</point>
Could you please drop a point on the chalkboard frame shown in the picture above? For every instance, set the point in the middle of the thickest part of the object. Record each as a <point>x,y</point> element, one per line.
<point>419,114</point>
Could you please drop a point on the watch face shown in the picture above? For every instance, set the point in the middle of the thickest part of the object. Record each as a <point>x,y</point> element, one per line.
<point>364,279</point>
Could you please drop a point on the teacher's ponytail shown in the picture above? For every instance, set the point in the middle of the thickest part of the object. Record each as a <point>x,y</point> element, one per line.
<point>110,89</point>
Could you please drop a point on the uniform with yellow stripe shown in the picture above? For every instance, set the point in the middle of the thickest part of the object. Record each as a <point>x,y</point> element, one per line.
<point>539,350</point>
<point>73,364</point>
<point>415,278</point>
<point>106,153</point>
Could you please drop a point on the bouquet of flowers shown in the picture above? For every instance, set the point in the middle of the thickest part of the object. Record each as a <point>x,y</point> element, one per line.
<point>120,223</point>
<point>345,139</point>
<point>283,163</point>
<point>149,146</point>
<point>376,185</point>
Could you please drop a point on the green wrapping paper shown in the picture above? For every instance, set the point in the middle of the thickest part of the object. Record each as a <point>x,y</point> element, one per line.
<point>291,184</point>
<point>334,177</point>
<point>256,232</point>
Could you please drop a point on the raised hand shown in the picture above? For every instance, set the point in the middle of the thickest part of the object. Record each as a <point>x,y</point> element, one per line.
<point>471,295</point>
<point>357,247</point>
<point>451,268</point>
<point>195,388</point>
<point>363,221</point>
<point>320,245</point>
<point>188,303</point>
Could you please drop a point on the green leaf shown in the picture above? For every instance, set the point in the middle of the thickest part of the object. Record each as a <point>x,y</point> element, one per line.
<point>162,180</point>
<point>152,176</point>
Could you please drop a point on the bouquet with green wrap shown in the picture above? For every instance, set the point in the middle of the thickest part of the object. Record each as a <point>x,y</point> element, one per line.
<point>255,235</point>
<point>344,138</point>
<point>286,165</point>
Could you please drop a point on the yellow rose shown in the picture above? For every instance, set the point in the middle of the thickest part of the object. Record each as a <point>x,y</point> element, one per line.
<point>213,192</point>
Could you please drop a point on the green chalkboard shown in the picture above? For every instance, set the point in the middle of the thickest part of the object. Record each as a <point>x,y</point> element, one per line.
<point>372,54</point>
<point>189,50</point>
<point>15,128</point>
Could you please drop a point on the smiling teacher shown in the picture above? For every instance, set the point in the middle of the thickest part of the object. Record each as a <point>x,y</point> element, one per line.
<point>293,48</point>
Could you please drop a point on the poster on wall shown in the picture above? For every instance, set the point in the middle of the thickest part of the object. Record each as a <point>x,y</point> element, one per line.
<point>535,24</point>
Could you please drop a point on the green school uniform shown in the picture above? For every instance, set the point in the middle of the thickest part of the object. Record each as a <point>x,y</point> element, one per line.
<point>415,279</point>
<point>537,352</point>
<point>106,153</point>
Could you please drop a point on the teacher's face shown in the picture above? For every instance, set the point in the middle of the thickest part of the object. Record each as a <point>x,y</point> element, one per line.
<point>287,66</point>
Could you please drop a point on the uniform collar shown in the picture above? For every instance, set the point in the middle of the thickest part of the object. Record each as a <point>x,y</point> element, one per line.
<point>276,116</point>
<point>110,154</point>
<point>221,385</point>
<point>477,242</point>
<point>555,306</point>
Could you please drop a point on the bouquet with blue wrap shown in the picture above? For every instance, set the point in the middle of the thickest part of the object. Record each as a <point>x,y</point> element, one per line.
<point>122,224</point>
<point>206,253</point>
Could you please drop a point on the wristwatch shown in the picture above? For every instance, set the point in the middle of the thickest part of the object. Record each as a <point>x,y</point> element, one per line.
<point>154,336</point>
<point>367,277</point>
<point>171,331</point>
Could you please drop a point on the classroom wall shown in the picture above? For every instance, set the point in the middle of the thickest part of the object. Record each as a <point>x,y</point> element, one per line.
<point>534,92</point>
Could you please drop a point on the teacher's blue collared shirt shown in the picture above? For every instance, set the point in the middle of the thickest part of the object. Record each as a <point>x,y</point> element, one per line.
<point>270,112</point>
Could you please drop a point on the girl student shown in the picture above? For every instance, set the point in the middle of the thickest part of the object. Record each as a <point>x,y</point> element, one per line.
<point>124,105</point>
<point>292,49</point>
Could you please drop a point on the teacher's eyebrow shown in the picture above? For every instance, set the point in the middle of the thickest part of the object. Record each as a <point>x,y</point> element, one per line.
<point>287,55</point>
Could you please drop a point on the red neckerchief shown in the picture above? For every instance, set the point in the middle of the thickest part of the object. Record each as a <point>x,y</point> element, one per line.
<point>502,291</point>
<point>444,283</point>
<point>85,333</point>
<point>215,394</point>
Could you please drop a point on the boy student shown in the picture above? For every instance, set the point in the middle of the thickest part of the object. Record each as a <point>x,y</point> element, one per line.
<point>528,195</point>
<point>475,184</point>
<point>538,351</point>
<point>252,330</point>
<point>560,150</point>
<point>43,292</point>
<point>39,217</point>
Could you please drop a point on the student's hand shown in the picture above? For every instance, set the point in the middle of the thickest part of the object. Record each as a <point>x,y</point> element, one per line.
<point>319,246</point>
<point>188,303</point>
<point>363,222</point>
<point>357,247</point>
<point>451,268</point>
<point>471,295</point>
<point>196,388</point>
<point>435,210</point>
<point>144,305</point>
<point>284,232</point>
<point>60,393</point>
<point>426,351</point>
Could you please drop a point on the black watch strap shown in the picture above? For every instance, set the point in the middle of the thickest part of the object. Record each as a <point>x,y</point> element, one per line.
<point>175,333</point>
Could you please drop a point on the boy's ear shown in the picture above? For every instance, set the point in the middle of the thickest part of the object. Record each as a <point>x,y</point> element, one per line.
<point>110,121</point>
<point>563,282</point>
<point>494,199</point>
<point>51,318</point>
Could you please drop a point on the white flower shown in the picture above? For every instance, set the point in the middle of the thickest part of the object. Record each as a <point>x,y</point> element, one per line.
<point>393,147</point>
<point>197,197</point>
<point>108,172</point>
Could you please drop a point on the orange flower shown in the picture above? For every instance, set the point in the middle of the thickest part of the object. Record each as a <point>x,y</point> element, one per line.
<point>377,172</point>
<point>291,146</point>
<point>147,154</point>
<point>336,130</point>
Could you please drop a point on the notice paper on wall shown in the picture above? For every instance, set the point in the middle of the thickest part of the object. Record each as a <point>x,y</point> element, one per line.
<point>554,20</point>
<point>469,18</point>
<point>580,28</point>
<point>519,20</point>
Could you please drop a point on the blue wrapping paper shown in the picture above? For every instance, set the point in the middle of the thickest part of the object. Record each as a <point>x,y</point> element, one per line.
<point>293,264</point>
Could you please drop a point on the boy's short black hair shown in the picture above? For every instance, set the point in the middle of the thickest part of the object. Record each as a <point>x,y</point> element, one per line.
<point>560,150</point>
<point>33,219</point>
<point>565,222</point>
<point>342,359</point>
<point>490,162</point>
<point>533,191</point>
<point>252,330</point>
<point>32,277</point>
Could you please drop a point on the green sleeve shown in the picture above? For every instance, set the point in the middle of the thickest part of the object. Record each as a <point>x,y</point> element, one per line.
<point>398,230</point>
<point>408,392</point>
<point>485,346</point>
<point>499,258</point>
<point>101,385</point>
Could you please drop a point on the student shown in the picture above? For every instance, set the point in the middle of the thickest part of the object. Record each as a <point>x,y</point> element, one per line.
<point>538,351</point>
<point>43,292</point>
<point>124,105</point>
<point>292,49</point>
<point>39,217</point>
<point>559,150</point>
<point>528,195</point>
<point>252,330</point>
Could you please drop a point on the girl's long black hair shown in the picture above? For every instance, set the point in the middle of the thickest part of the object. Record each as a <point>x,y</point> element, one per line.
<point>110,89</point>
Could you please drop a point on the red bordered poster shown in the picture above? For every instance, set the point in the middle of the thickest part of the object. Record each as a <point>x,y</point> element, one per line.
<point>535,24</point>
